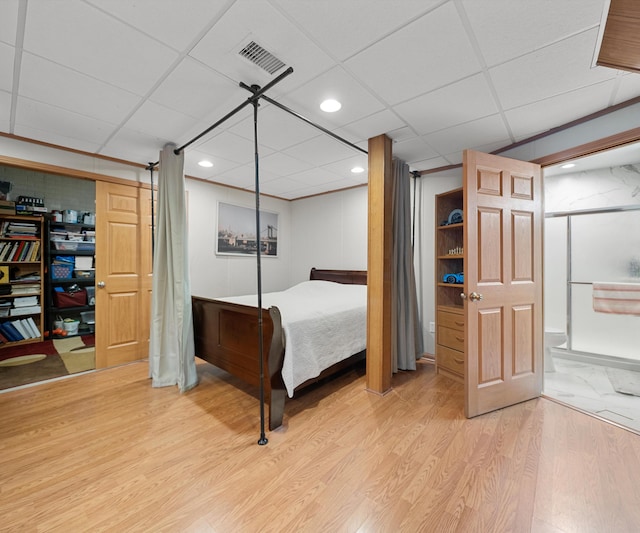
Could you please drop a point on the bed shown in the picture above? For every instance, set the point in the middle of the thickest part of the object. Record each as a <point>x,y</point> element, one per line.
<point>302,343</point>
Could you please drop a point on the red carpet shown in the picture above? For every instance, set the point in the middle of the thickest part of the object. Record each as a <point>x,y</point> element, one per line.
<point>50,366</point>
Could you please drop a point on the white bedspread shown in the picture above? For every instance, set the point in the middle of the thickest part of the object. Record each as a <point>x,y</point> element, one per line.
<point>323,322</point>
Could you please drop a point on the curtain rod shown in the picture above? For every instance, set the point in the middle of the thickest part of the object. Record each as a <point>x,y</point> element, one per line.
<point>248,101</point>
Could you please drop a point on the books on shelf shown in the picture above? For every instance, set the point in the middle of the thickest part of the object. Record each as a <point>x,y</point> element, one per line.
<point>18,330</point>
<point>25,301</point>
<point>20,250</point>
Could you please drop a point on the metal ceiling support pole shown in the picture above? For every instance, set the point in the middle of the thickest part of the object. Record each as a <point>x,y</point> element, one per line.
<point>153,216</point>
<point>263,439</point>
<point>250,100</point>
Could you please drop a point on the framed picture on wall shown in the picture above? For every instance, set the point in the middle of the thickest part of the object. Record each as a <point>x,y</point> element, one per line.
<point>236,231</point>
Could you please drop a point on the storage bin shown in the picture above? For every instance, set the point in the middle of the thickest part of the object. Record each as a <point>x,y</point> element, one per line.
<point>70,299</point>
<point>85,246</point>
<point>76,237</point>
<point>88,317</point>
<point>70,246</point>
<point>61,271</point>
<point>91,295</point>
<point>87,274</point>
<point>71,326</point>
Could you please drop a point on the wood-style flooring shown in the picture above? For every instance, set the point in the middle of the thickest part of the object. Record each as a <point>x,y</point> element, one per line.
<point>105,451</point>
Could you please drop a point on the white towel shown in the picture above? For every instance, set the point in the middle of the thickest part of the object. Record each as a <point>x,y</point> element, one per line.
<point>618,298</point>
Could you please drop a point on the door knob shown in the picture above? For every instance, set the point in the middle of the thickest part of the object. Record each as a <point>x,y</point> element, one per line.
<point>101,285</point>
<point>463,296</point>
<point>474,296</point>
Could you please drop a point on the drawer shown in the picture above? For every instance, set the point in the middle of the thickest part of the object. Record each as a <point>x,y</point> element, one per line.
<point>449,359</point>
<point>450,320</point>
<point>452,338</point>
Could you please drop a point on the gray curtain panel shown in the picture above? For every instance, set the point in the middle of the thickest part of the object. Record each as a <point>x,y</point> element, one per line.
<point>406,331</point>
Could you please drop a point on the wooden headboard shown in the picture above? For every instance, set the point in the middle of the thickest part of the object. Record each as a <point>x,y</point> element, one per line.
<point>351,277</point>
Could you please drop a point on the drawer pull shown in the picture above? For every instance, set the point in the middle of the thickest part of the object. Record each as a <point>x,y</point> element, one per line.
<point>459,361</point>
<point>459,339</point>
<point>459,323</point>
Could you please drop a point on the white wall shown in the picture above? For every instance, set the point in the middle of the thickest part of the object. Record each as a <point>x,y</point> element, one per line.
<point>329,231</point>
<point>224,275</point>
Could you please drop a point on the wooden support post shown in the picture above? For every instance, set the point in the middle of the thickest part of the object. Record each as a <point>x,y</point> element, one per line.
<point>380,248</point>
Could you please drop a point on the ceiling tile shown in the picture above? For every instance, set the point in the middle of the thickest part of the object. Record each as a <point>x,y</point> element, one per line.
<point>503,28</point>
<point>277,129</point>
<point>8,21</point>
<point>314,177</point>
<point>437,48</point>
<point>134,146</point>
<point>220,165</point>
<point>5,110</point>
<point>472,134</point>
<point>343,168</point>
<point>320,150</point>
<point>280,164</point>
<point>196,90</point>
<point>98,46</point>
<point>528,120</point>
<point>172,21</point>
<point>356,101</point>
<point>344,28</point>
<point>426,164</point>
<point>59,86</point>
<point>156,120</point>
<point>371,126</point>
<point>556,69</point>
<point>413,149</point>
<point>7,54</point>
<point>231,147</point>
<point>629,87</point>
<point>433,111</point>
<point>249,20</point>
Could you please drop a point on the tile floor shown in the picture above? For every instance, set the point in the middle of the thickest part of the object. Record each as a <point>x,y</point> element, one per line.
<point>587,387</point>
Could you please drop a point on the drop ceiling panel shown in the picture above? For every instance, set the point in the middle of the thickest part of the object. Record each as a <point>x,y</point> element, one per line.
<point>356,101</point>
<point>249,20</point>
<point>314,177</point>
<point>283,187</point>
<point>279,164</point>
<point>134,146</point>
<point>343,168</point>
<point>320,150</point>
<point>344,28</point>
<point>174,22</point>
<point>277,129</point>
<point>432,112</point>
<point>196,90</point>
<point>54,125</point>
<point>100,46</point>
<point>362,130</point>
<point>156,120</point>
<point>472,134</point>
<point>60,86</point>
<point>506,29</point>
<point>6,67</point>
<point>231,147</point>
<point>219,168</point>
<point>5,110</point>
<point>556,69</point>
<point>437,48</point>
<point>628,88</point>
<point>8,20</point>
<point>528,120</point>
<point>413,149</point>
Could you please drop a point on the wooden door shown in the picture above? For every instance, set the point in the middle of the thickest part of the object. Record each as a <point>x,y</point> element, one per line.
<point>503,281</point>
<point>123,273</point>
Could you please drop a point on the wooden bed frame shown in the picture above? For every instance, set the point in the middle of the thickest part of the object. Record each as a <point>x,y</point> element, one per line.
<point>226,335</point>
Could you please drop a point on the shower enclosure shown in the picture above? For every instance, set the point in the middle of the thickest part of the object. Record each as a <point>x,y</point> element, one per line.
<point>583,247</point>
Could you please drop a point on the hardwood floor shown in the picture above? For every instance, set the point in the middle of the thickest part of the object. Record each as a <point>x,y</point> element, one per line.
<point>107,452</point>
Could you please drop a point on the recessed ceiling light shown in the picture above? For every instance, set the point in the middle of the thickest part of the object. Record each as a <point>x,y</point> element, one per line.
<point>357,170</point>
<point>205,163</point>
<point>569,165</point>
<point>330,106</point>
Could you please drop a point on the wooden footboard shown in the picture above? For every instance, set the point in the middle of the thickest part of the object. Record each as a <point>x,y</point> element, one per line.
<point>226,335</point>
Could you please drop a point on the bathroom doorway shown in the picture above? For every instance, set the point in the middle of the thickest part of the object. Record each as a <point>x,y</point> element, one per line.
<point>592,240</point>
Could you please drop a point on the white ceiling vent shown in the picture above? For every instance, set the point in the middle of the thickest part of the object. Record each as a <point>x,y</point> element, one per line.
<point>261,57</point>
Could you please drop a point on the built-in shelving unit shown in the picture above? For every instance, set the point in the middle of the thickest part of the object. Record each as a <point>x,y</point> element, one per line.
<point>21,279</point>
<point>449,284</point>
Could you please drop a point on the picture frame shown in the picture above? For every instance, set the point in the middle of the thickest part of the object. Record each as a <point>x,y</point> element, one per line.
<point>236,228</point>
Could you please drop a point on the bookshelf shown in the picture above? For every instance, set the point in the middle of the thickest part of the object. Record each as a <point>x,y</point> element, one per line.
<point>21,279</point>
